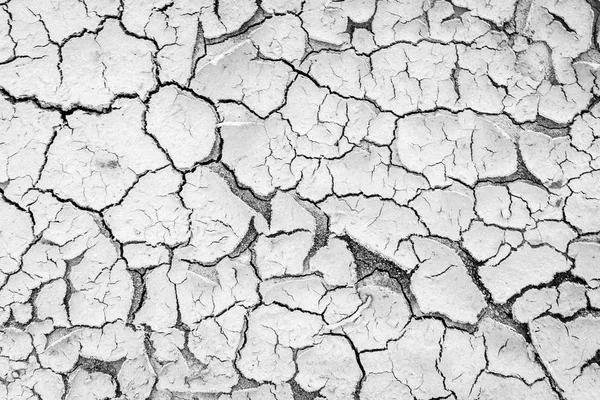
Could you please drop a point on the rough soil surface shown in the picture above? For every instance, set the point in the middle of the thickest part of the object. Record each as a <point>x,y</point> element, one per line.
<point>299,199</point>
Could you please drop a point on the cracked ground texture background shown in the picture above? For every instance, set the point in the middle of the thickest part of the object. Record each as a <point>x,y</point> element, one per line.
<point>299,199</point>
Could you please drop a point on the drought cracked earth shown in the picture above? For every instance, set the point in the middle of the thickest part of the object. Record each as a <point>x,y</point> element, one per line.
<point>299,199</point>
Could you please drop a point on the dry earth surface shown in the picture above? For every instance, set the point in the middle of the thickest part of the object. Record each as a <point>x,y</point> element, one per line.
<point>299,199</point>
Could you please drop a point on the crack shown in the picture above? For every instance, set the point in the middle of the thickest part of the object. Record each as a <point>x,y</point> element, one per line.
<point>257,19</point>
<point>260,205</point>
<point>367,261</point>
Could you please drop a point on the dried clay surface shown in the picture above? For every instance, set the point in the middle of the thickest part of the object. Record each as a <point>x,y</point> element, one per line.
<point>299,199</point>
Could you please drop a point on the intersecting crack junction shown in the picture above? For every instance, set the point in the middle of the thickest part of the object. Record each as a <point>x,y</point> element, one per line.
<point>299,200</point>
